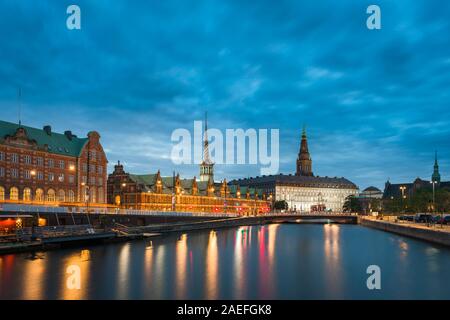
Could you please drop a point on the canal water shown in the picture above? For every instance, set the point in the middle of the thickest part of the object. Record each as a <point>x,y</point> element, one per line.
<point>279,261</point>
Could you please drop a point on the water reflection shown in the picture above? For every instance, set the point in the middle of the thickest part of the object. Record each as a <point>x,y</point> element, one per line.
<point>331,247</point>
<point>265,262</point>
<point>34,279</point>
<point>239,262</point>
<point>266,256</point>
<point>180,267</point>
<point>212,266</point>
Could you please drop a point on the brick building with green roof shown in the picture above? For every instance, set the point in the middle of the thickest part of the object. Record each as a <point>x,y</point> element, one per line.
<point>40,166</point>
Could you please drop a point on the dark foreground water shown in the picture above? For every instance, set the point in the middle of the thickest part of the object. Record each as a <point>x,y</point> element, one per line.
<point>262,262</point>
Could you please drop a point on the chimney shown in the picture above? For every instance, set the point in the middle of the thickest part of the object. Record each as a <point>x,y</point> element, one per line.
<point>48,130</point>
<point>68,134</point>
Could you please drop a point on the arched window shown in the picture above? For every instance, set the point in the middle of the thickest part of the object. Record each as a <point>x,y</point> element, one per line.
<point>71,196</point>
<point>61,196</point>
<point>14,194</point>
<point>117,200</point>
<point>2,194</point>
<point>51,196</point>
<point>39,195</point>
<point>100,195</point>
<point>92,195</point>
<point>27,194</point>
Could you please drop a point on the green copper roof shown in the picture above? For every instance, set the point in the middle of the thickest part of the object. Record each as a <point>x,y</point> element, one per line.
<point>57,143</point>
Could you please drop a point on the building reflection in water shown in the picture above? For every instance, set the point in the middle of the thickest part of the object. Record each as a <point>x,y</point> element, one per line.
<point>333,268</point>
<point>79,260</point>
<point>123,271</point>
<point>34,278</point>
<point>181,267</point>
<point>158,274</point>
<point>266,259</point>
<point>240,247</point>
<point>148,265</point>
<point>211,268</point>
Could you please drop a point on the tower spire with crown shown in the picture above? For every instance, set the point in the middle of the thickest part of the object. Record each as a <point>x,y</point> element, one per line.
<point>207,166</point>
<point>304,162</point>
<point>436,177</point>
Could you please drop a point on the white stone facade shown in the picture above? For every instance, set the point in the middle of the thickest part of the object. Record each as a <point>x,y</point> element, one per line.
<point>303,198</point>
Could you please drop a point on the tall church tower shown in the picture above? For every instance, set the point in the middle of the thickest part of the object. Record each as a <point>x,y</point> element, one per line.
<point>206,167</point>
<point>304,162</point>
<point>436,177</point>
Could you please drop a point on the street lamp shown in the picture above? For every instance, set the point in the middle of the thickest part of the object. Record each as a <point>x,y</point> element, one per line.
<point>434,194</point>
<point>403,188</point>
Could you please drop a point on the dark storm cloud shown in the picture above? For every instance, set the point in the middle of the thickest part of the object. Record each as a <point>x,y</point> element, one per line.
<point>375,102</point>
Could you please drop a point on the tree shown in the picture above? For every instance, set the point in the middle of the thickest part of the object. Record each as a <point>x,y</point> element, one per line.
<point>352,204</point>
<point>281,205</point>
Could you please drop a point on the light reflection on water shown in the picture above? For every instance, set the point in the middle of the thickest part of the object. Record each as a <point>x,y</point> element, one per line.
<point>257,262</point>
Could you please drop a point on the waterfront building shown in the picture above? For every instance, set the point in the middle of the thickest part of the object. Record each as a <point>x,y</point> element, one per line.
<point>406,190</point>
<point>172,193</point>
<point>39,166</point>
<point>304,191</point>
<point>370,200</point>
<point>371,193</point>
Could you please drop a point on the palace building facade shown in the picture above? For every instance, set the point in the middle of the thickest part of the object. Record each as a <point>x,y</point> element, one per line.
<point>154,192</point>
<point>171,193</point>
<point>303,191</point>
<point>39,166</point>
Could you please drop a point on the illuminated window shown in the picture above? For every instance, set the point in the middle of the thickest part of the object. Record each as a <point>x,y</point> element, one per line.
<point>92,195</point>
<point>51,196</point>
<point>61,196</point>
<point>71,196</point>
<point>27,194</point>
<point>14,194</point>
<point>2,193</point>
<point>100,195</point>
<point>39,195</point>
<point>51,177</point>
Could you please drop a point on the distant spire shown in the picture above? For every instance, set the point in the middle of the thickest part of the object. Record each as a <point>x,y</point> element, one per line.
<point>436,177</point>
<point>304,131</point>
<point>206,158</point>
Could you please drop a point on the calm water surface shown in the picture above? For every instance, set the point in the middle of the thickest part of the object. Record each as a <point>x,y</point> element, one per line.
<point>260,262</point>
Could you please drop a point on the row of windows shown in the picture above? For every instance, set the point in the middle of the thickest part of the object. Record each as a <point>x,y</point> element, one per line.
<point>92,168</point>
<point>39,161</point>
<point>50,196</point>
<point>51,163</point>
<point>28,174</point>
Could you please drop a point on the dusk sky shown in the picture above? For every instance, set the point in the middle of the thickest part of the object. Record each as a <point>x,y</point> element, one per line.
<point>375,102</point>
